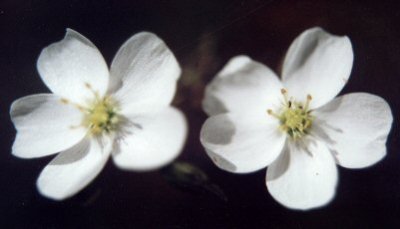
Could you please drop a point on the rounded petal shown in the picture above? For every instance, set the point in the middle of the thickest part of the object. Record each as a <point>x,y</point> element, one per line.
<point>73,68</point>
<point>242,143</point>
<point>73,169</point>
<point>319,64</point>
<point>152,141</point>
<point>144,74</point>
<point>356,127</point>
<point>45,125</point>
<point>303,178</point>
<point>243,84</point>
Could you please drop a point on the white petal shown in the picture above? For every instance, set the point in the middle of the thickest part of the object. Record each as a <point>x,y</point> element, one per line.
<point>301,179</point>
<point>144,74</point>
<point>243,84</point>
<point>67,66</point>
<point>356,126</point>
<point>153,141</point>
<point>45,125</point>
<point>319,64</point>
<point>242,143</point>
<point>73,169</point>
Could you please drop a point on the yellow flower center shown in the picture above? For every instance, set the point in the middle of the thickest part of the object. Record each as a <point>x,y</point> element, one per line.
<point>295,117</point>
<point>101,116</point>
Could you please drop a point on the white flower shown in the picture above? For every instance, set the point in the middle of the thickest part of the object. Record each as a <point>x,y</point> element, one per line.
<point>296,126</point>
<point>94,112</point>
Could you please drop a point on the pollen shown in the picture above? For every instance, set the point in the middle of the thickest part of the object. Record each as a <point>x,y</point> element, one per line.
<point>295,117</point>
<point>102,116</point>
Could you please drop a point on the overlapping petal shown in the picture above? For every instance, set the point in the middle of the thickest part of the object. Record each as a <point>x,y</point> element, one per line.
<point>152,141</point>
<point>242,143</point>
<point>319,64</point>
<point>45,125</point>
<point>350,130</point>
<point>74,168</point>
<point>144,74</point>
<point>356,127</point>
<point>242,85</point>
<point>67,68</point>
<point>303,178</point>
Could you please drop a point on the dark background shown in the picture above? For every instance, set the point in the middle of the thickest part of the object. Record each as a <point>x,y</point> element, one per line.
<point>203,35</point>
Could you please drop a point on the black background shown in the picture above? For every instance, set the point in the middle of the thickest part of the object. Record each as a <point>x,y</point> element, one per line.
<point>203,35</point>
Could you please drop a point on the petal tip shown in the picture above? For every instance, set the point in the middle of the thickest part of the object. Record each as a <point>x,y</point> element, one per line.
<point>300,205</point>
<point>49,193</point>
<point>221,162</point>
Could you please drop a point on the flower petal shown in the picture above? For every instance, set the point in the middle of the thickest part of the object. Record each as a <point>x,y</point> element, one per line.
<point>144,74</point>
<point>242,143</point>
<point>45,125</point>
<point>73,169</point>
<point>67,68</point>
<point>243,84</point>
<point>153,141</point>
<point>319,64</point>
<point>303,179</point>
<point>356,126</point>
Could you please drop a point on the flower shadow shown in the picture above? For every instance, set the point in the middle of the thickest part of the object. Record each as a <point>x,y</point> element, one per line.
<point>73,154</point>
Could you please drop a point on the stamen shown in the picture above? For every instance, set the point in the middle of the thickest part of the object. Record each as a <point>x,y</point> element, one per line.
<point>76,126</point>
<point>309,98</point>
<point>270,112</point>
<point>95,93</point>
<point>285,97</point>
<point>79,107</point>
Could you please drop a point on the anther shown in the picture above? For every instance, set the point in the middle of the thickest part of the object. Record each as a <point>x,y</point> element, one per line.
<point>88,85</point>
<point>65,101</point>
